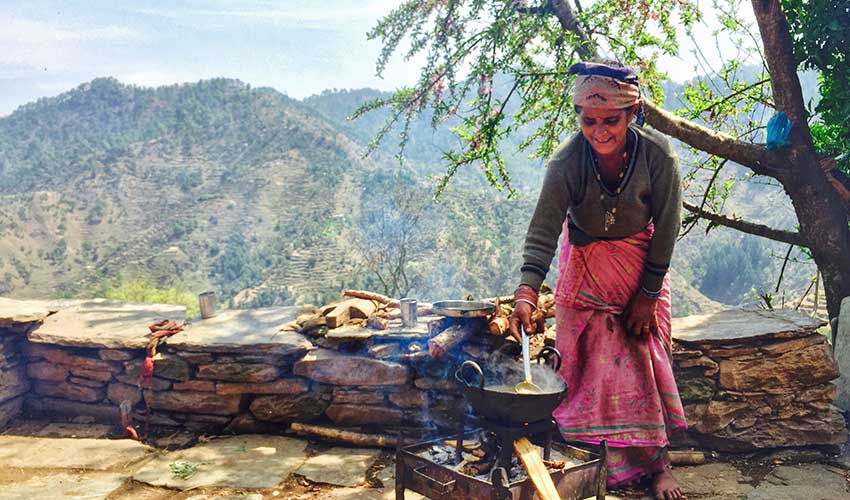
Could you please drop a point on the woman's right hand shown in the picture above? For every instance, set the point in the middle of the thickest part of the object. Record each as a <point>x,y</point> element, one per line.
<point>522,316</point>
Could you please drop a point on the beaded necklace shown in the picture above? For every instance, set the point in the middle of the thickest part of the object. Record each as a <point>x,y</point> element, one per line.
<point>610,212</point>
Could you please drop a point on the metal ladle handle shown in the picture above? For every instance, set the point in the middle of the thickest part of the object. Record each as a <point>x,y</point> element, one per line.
<point>542,357</point>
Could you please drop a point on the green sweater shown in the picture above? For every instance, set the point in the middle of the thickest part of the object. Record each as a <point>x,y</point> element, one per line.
<point>651,192</point>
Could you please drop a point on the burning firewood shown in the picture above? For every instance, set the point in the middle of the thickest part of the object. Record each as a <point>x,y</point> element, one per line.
<point>468,444</point>
<point>555,464</point>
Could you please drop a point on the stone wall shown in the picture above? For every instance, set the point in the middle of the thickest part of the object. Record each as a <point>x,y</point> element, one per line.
<point>748,379</point>
<point>16,321</point>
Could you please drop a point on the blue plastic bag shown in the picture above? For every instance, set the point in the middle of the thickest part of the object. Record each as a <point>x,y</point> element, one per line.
<point>778,129</point>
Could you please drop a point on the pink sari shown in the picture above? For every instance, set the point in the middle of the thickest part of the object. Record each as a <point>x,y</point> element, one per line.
<point>619,387</point>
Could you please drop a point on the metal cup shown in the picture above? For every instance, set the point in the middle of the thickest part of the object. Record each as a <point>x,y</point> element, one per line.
<point>408,312</point>
<point>206,302</point>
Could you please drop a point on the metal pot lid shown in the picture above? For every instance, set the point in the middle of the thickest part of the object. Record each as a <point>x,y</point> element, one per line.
<point>463,308</point>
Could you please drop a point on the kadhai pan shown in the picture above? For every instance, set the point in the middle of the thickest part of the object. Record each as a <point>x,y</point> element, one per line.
<point>492,396</point>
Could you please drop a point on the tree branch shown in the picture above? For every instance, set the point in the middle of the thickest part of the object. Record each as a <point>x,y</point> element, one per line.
<point>569,22</point>
<point>790,237</point>
<point>754,156</point>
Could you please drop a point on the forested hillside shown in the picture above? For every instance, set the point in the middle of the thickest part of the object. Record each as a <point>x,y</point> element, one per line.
<point>267,200</point>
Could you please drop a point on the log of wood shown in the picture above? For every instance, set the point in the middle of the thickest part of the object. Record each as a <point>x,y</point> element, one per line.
<point>533,462</point>
<point>362,294</point>
<point>504,299</point>
<point>378,322</point>
<point>345,436</point>
<point>423,309</point>
<point>349,309</point>
<point>686,457</point>
<point>498,326</point>
<point>441,343</point>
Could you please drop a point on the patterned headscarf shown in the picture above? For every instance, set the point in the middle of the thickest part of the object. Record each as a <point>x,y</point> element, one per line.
<point>602,86</point>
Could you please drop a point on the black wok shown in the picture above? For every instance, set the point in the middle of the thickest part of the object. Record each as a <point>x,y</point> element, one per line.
<point>496,399</point>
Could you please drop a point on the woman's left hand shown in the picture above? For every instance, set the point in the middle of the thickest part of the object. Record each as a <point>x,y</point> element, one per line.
<point>639,316</point>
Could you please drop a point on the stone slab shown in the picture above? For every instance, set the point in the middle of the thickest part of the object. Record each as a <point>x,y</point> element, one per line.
<point>244,331</point>
<point>90,486</point>
<point>24,311</point>
<point>339,466</point>
<point>105,324</point>
<point>842,356</point>
<point>58,453</point>
<point>250,461</point>
<point>714,481</point>
<point>740,324</point>
<point>795,482</point>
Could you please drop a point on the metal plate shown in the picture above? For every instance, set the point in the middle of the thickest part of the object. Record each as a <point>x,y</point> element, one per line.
<point>463,308</point>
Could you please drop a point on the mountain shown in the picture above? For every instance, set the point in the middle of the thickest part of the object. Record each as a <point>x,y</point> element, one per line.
<point>263,198</point>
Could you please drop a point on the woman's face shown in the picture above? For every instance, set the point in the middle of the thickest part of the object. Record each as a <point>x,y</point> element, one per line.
<point>605,129</point>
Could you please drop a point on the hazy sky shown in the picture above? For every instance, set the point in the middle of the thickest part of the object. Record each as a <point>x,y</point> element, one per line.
<point>299,47</point>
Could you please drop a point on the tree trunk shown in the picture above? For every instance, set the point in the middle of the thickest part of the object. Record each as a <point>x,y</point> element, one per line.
<point>823,222</point>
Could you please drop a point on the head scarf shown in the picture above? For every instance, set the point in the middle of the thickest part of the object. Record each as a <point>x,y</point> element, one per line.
<point>602,86</point>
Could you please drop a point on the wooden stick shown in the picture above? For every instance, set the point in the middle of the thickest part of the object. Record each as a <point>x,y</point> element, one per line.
<point>351,437</point>
<point>533,462</point>
<point>377,297</point>
<point>686,457</point>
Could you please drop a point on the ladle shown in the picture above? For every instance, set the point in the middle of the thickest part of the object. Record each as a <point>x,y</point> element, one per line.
<point>526,386</point>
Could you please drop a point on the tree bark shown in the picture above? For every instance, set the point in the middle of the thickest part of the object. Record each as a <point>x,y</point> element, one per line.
<point>823,222</point>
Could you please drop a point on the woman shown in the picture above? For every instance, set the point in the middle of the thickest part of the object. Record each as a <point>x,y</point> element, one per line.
<point>614,192</point>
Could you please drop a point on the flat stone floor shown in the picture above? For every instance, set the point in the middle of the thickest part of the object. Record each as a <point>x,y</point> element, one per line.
<point>283,468</point>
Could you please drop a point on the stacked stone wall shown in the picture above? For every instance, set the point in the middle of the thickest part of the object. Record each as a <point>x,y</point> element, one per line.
<point>14,383</point>
<point>742,389</point>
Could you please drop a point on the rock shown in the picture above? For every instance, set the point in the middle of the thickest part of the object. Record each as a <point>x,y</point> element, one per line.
<point>171,367</point>
<point>719,414</point>
<point>346,414</point>
<point>157,418</point>
<point>695,387</point>
<point>118,392</point>
<point>333,368</point>
<point>244,331</point>
<point>157,383</point>
<point>282,386</point>
<point>842,356</point>
<point>196,358</point>
<point>776,348</point>
<point>71,430</point>
<point>13,383</point>
<point>195,385</point>
<point>61,356</point>
<point>250,358</point>
<point>804,367</point>
<point>382,351</point>
<point>10,409</point>
<point>742,326</point>
<point>58,453</point>
<point>713,481</point>
<point>96,485</point>
<point>339,466</point>
<point>117,354</point>
<point>100,323</point>
<point>299,408</point>
<point>69,391</point>
<point>86,382</point>
<point>52,407</point>
<point>357,397</point>
<point>101,376</point>
<point>409,398</point>
<point>237,372</point>
<point>245,423</point>
<point>436,384</point>
<point>194,402</point>
<point>809,481</point>
<point>23,311</point>
<point>244,462</point>
<point>44,370</point>
<point>711,366</point>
